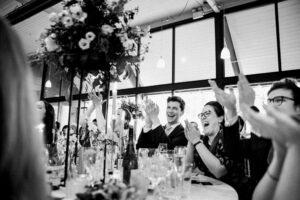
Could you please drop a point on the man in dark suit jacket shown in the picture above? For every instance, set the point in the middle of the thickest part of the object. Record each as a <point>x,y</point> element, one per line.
<point>154,133</point>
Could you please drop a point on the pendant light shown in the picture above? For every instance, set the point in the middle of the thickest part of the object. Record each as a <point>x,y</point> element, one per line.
<point>48,82</point>
<point>161,61</point>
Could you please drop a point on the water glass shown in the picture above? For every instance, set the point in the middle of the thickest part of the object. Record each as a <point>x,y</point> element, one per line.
<point>185,181</point>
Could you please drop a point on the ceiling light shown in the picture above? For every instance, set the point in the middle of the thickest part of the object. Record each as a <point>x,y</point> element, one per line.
<point>225,53</point>
<point>48,84</point>
<point>161,63</point>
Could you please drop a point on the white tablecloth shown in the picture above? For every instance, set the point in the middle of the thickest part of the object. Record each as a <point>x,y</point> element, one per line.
<point>218,190</point>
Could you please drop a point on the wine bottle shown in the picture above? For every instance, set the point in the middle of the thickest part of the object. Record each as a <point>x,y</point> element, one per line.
<point>130,159</point>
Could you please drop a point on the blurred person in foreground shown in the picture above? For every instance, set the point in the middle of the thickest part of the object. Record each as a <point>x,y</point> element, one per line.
<point>22,167</point>
<point>281,124</point>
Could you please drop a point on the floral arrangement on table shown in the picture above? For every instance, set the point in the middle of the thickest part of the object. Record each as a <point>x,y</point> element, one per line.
<point>133,108</point>
<point>113,190</point>
<point>94,35</point>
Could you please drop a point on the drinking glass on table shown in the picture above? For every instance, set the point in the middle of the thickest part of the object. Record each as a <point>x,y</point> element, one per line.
<point>185,181</point>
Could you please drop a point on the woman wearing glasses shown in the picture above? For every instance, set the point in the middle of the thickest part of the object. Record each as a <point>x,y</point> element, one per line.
<point>207,152</point>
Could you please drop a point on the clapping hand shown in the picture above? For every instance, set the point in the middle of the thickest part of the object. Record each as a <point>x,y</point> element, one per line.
<point>191,132</point>
<point>151,110</point>
<point>246,92</point>
<point>228,100</point>
<point>276,125</point>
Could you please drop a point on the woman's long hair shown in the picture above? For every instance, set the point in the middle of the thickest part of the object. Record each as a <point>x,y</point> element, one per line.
<point>49,121</point>
<point>22,173</point>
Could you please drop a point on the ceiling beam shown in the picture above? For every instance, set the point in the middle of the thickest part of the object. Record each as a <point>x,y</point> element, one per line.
<point>29,9</point>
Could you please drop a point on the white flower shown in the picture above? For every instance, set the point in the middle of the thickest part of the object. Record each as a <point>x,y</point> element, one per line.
<point>67,21</point>
<point>84,43</point>
<point>53,17</point>
<point>53,35</point>
<point>129,44</point>
<point>75,8</point>
<point>90,36</point>
<point>50,44</point>
<point>118,25</point>
<point>63,13</point>
<point>77,12</point>
<point>107,29</point>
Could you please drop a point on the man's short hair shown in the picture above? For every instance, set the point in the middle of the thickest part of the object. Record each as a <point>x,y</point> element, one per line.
<point>177,99</point>
<point>287,84</point>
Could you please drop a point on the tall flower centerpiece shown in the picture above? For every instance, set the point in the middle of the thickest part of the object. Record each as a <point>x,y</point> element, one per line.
<point>96,36</point>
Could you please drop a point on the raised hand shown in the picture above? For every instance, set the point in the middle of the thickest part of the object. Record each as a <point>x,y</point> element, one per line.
<point>191,133</point>
<point>275,125</point>
<point>227,100</point>
<point>246,92</point>
<point>152,110</point>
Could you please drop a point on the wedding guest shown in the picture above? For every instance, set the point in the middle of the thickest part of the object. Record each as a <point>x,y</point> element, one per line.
<point>282,178</point>
<point>47,113</point>
<point>22,168</point>
<point>208,152</point>
<point>284,96</point>
<point>154,133</point>
<point>46,110</point>
<point>253,152</point>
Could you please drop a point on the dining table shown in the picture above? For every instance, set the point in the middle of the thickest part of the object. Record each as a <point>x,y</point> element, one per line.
<point>202,187</point>
<point>207,188</point>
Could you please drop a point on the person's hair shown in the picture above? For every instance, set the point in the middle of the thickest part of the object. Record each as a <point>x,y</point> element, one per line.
<point>21,151</point>
<point>57,125</point>
<point>218,108</point>
<point>49,120</point>
<point>287,84</point>
<point>177,99</point>
<point>64,127</point>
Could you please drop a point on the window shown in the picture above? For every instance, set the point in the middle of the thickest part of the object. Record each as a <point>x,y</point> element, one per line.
<point>160,45</point>
<point>253,34</point>
<point>289,16</point>
<point>195,51</point>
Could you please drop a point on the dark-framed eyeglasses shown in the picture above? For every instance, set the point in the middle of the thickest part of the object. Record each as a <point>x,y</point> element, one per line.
<point>279,100</point>
<point>204,114</point>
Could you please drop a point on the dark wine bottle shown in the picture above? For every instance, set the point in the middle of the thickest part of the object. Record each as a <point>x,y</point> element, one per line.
<point>130,159</point>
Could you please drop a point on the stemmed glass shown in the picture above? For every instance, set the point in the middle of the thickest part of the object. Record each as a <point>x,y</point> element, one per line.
<point>89,162</point>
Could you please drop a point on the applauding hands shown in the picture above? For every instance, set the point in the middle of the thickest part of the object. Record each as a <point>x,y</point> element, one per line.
<point>191,133</point>
<point>151,110</point>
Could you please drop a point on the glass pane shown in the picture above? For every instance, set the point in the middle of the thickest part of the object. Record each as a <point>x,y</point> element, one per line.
<point>37,73</point>
<point>160,46</point>
<point>195,51</point>
<point>253,34</point>
<point>289,16</point>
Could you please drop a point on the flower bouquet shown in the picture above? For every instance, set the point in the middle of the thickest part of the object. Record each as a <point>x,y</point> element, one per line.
<point>96,36</point>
